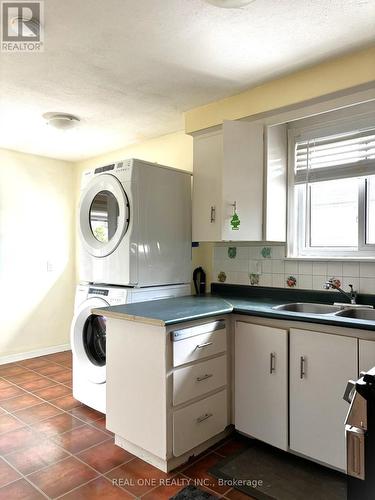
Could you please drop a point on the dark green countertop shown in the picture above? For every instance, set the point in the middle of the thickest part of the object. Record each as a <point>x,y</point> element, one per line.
<point>177,310</point>
<point>169,311</point>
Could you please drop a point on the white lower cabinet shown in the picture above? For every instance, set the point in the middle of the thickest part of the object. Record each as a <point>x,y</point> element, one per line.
<point>199,422</point>
<point>366,355</point>
<point>320,366</point>
<point>261,383</point>
<point>196,380</point>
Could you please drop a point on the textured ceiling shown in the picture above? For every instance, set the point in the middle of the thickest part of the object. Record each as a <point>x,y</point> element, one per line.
<point>129,68</point>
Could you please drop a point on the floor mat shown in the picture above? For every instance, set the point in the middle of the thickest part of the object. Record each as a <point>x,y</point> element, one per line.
<point>193,493</point>
<point>264,472</point>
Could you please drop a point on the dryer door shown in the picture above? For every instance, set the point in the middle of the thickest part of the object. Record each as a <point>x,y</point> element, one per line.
<point>88,340</point>
<point>103,215</point>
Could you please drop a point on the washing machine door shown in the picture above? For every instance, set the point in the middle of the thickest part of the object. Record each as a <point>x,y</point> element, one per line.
<point>103,215</point>
<point>88,341</point>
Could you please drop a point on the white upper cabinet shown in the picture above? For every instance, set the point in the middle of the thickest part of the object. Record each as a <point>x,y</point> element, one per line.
<point>276,182</point>
<point>228,178</point>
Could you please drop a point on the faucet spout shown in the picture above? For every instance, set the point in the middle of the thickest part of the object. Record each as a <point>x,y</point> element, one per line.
<point>336,285</point>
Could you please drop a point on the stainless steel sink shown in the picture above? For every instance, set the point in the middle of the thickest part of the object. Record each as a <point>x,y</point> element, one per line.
<point>367,314</point>
<point>309,308</point>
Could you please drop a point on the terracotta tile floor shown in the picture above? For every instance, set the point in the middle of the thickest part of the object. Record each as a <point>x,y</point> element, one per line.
<point>52,446</point>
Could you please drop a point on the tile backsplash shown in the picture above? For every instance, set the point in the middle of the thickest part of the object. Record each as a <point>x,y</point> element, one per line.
<point>265,265</point>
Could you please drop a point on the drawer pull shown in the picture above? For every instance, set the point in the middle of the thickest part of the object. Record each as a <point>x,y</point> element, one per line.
<point>272,363</point>
<point>201,346</point>
<point>204,417</point>
<point>204,377</point>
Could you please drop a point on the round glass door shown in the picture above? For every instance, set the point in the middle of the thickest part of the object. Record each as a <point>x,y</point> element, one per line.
<point>103,214</point>
<point>94,339</point>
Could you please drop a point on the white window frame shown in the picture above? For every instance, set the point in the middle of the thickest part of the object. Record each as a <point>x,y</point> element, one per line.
<point>298,222</point>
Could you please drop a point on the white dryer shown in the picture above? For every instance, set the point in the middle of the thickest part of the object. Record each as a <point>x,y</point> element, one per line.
<point>88,335</point>
<point>135,225</point>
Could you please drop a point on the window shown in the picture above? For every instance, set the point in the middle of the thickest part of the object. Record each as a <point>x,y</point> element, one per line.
<point>332,192</point>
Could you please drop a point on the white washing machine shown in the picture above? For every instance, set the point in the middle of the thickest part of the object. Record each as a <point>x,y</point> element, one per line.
<point>88,335</point>
<point>135,225</point>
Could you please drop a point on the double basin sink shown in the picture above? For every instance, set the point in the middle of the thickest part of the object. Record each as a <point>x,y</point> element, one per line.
<point>345,311</point>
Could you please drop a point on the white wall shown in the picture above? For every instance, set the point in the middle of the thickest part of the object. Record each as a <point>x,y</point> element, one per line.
<point>37,202</point>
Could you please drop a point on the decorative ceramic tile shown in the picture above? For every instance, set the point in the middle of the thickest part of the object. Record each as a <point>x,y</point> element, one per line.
<point>242,261</point>
<point>222,277</point>
<point>291,281</point>
<point>254,279</point>
<point>232,252</point>
<point>336,281</point>
<point>266,252</point>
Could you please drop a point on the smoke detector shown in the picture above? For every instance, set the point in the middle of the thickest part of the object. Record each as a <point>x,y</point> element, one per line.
<point>61,121</point>
<point>230,4</point>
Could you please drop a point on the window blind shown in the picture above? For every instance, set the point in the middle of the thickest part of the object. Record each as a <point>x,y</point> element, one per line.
<point>334,157</point>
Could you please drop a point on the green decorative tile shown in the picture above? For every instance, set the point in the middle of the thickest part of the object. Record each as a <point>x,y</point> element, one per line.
<point>232,252</point>
<point>266,252</point>
<point>254,279</point>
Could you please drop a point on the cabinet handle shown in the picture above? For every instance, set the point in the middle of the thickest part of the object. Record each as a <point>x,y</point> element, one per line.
<point>213,214</point>
<point>204,417</point>
<point>204,377</point>
<point>272,363</point>
<point>201,346</point>
<point>302,371</point>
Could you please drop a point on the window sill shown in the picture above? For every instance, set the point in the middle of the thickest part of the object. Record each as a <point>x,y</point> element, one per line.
<point>332,259</point>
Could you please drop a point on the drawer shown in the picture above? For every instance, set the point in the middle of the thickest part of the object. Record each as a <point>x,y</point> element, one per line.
<point>198,422</point>
<point>199,346</point>
<point>193,381</point>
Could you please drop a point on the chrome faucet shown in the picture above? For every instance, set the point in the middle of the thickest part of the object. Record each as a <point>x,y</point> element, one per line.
<point>335,284</point>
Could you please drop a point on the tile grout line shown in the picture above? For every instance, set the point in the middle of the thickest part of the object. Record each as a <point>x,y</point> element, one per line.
<point>70,454</point>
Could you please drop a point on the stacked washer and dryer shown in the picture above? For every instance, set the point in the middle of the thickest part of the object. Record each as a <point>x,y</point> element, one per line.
<point>135,245</point>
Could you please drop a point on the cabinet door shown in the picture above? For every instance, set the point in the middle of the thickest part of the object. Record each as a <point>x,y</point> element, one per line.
<point>366,355</point>
<point>243,180</point>
<point>207,186</point>
<point>261,383</point>
<point>320,366</point>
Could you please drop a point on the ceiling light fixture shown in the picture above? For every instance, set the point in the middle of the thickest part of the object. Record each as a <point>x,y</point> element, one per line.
<point>61,121</point>
<point>230,4</point>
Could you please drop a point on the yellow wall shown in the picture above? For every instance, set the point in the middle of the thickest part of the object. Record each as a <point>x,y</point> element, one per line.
<point>174,150</point>
<point>332,76</point>
<point>37,198</point>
